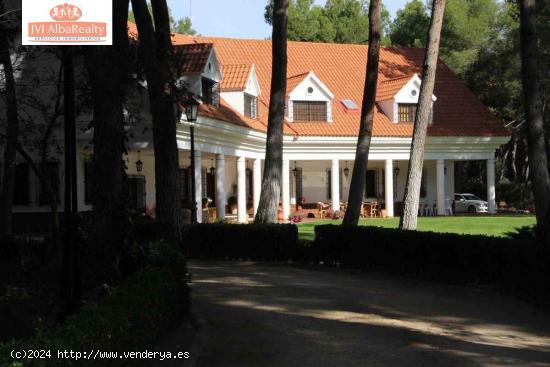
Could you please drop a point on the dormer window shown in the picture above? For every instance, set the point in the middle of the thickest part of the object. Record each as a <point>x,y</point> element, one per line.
<point>210,92</point>
<point>196,66</point>
<point>406,112</point>
<point>240,89</point>
<point>309,111</point>
<point>398,98</point>
<point>250,106</point>
<point>308,99</point>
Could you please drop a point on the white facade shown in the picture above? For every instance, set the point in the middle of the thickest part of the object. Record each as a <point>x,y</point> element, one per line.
<point>237,153</point>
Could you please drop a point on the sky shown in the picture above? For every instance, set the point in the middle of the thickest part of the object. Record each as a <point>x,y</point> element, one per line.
<point>236,18</point>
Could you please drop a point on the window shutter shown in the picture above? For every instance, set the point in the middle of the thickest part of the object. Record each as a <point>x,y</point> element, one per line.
<point>249,183</point>
<point>140,192</point>
<point>382,183</point>
<point>50,170</point>
<point>211,185</point>
<point>250,106</point>
<point>136,192</point>
<point>370,186</point>
<point>423,191</point>
<point>21,185</point>
<point>216,94</point>
<point>340,176</point>
<point>309,111</point>
<point>255,108</point>
<point>299,185</point>
<point>203,184</point>
<point>185,184</point>
<point>406,112</point>
<point>211,92</point>
<point>292,185</point>
<point>88,184</point>
<point>329,184</point>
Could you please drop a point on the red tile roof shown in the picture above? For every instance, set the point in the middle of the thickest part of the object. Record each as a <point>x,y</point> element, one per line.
<point>457,112</point>
<point>235,77</point>
<point>293,81</point>
<point>388,88</point>
<point>192,58</point>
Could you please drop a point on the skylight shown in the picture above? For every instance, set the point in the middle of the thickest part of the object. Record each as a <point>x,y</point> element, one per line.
<point>350,104</point>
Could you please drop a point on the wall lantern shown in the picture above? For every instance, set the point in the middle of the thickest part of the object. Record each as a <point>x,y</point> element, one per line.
<point>346,170</point>
<point>396,171</point>
<point>295,170</point>
<point>139,163</point>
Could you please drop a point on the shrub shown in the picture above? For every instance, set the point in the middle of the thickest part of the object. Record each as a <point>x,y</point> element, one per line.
<point>270,242</point>
<point>146,230</point>
<point>520,267</point>
<point>27,251</point>
<point>138,312</point>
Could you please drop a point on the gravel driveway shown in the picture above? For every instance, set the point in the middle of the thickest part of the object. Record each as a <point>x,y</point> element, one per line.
<point>277,315</point>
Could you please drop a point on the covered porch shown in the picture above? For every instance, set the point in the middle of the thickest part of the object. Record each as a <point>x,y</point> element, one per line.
<point>229,164</point>
<point>228,186</point>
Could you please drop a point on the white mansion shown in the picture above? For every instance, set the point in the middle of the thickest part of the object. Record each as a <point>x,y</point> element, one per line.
<point>324,92</point>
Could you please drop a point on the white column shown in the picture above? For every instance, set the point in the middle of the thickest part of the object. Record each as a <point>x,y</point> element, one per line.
<point>198,184</point>
<point>220,186</point>
<point>286,189</point>
<point>242,216</point>
<point>491,192</point>
<point>440,187</point>
<point>257,182</point>
<point>389,187</point>
<point>335,185</point>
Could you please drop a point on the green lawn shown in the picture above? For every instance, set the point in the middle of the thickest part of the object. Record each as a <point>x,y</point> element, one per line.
<point>485,225</point>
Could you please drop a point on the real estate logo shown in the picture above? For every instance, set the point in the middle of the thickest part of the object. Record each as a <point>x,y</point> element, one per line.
<point>79,22</point>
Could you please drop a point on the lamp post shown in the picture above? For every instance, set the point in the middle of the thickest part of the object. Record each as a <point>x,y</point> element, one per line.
<point>191,111</point>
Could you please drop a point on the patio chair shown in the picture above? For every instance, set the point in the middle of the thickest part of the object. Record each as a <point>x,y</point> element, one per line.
<point>343,207</point>
<point>374,210</point>
<point>322,210</point>
<point>448,207</point>
<point>363,213</point>
<point>428,210</point>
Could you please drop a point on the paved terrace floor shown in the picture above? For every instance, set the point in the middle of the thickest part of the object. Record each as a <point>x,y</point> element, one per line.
<point>275,315</point>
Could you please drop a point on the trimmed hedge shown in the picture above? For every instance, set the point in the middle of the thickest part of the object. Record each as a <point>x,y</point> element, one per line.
<point>27,251</point>
<point>140,310</point>
<point>520,267</point>
<point>220,241</point>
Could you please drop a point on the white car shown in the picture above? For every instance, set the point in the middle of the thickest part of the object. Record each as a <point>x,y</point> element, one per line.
<point>469,203</point>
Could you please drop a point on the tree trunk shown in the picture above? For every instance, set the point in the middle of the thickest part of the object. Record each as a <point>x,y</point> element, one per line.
<point>538,159</point>
<point>12,134</point>
<point>271,182</point>
<point>107,69</point>
<point>156,53</point>
<point>414,175</point>
<point>357,185</point>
